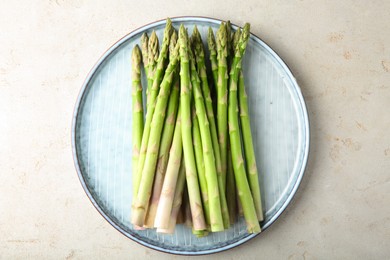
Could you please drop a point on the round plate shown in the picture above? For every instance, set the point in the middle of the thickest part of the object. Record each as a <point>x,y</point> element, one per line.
<point>101,139</point>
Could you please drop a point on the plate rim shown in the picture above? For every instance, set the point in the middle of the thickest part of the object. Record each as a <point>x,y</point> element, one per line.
<point>83,90</point>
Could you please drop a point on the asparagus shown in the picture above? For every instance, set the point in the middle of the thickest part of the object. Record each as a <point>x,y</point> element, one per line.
<point>248,148</point>
<point>200,166</point>
<point>137,108</point>
<point>233,201</point>
<point>231,189</point>
<point>168,188</point>
<point>145,49</point>
<point>189,158</point>
<point>229,42</point>
<point>222,95</point>
<point>213,188</point>
<point>156,126</point>
<point>235,40</point>
<point>213,55</point>
<point>177,200</point>
<point>201,66</point>
<point>235,142</point>
<point>152,60</point>
<point>157,77</point>
<point>166,140</point>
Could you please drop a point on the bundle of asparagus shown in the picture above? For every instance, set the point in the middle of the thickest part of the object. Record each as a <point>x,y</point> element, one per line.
<point>188,164</point>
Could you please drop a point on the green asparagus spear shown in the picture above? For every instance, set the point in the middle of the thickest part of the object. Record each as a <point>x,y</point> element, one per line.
<point>235,142</point>
<point>201,67</point>
<point>153,56</point>
<point>137,108</point>
<point>213,188</point>
<point>236,39</point>
<point>213,56</point>
<point>157,77</point>
<point>248,148</point>
<point>231,197</point>
<point>189,157</point>
<point>200,165</point>
<point>229,42</point>
<point>222,93</point>
<point>148,172</point>
<point>145,50</point>
<point>166,140</point>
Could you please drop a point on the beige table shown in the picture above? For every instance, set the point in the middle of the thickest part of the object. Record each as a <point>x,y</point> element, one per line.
<point>340,54</point>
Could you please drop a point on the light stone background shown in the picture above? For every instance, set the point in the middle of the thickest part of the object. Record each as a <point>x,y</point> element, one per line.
<point>340,54</point>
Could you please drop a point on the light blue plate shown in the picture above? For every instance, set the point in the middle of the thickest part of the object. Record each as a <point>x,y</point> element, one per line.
<point>101,139</point>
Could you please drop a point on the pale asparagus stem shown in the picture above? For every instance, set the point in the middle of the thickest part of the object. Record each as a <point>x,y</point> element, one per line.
<point>165,204</point>
<point>253,176</point>
<point>157,77</point>
<point>137,108</point>
<point>213,55</point>
<point>177,200</point>
<point>222,94</point>
<point>148,172</point>
<point>201,67</point>
<point>189,157</point>
<point>166,141</point>
<point>213,188</point>
<point>200,165</point>
<point>244,191</point>
<point>231,198</point>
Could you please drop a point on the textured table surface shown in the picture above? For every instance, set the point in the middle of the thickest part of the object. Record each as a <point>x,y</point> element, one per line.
<point>339,52</point>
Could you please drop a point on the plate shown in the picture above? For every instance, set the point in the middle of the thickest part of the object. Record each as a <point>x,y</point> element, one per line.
<point>101,139</point>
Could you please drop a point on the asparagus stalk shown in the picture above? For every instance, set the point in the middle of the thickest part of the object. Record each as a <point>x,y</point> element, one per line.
<point>222,95</point>
<point>189,158</point>
<point>145,50</point>
<point>200,166</point>
<point>253,176</point>
<point>168,189</point>
<point>148,172</point>
<point>213,188</point>
<point>166,140</point>
<point>235,40</point>
<point>137,108</point>
<point>201,66</point>
<point>202,72</point>
<point>213,55</point>
<point>229,42</point>
<point>177,200</point>
<point>231,198</point>
<point>157,77</point>
<point>152,60</point>
<point>235,142</point>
